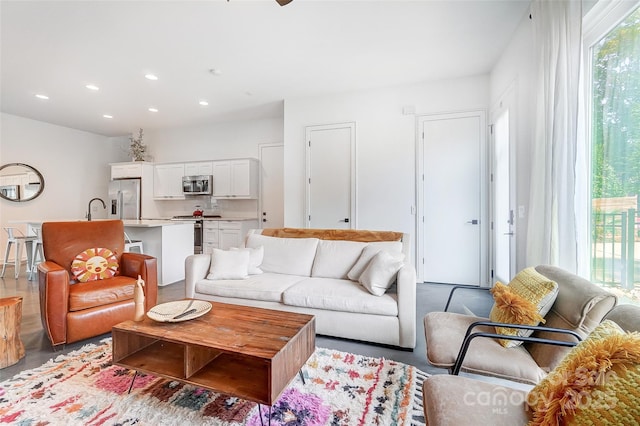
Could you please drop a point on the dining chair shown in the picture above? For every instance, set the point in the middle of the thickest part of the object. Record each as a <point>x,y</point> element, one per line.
<point>129,244</point>
<point>17,238</point>
<point>37,254</point>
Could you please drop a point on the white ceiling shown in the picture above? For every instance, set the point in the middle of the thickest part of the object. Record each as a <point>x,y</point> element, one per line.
<point>265,52</point>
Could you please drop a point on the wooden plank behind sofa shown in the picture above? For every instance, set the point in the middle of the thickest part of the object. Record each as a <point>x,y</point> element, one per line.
<point>334,234</point>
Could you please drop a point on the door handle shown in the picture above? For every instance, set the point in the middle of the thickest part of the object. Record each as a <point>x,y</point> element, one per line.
<point>473,221</point>
<point>508,233</point>
<point>345,220</point>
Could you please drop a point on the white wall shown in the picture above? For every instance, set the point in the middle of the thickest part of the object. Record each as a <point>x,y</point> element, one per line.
<point>516,67</point>
<point>385,145</point>
<point>213,142</point>
<point>217,141</point>
<point>74,165</point>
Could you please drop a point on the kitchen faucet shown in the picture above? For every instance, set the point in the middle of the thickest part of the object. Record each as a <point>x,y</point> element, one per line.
<point>89,208</point>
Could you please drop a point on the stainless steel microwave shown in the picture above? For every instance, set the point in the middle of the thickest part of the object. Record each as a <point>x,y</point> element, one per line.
<point>197,185</point>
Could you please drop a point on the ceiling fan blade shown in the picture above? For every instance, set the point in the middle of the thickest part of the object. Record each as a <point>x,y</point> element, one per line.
<point>283,2</point>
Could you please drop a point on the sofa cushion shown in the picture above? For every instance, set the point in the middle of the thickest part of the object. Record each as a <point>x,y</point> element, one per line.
<point>267,287</point>
<point>255,258</point>
<point>99,293</point>
<point>381,272</point>
<point>229,265</point>
<point>291,256</point>
<point>445,331</point>
<point>334,258</point>
<point>580,306</point>
<point>458,400</point>
<point>367,254</point>
<point>339,295</point>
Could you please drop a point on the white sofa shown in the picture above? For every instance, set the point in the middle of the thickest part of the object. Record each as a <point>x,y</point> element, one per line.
<point>306,271</point>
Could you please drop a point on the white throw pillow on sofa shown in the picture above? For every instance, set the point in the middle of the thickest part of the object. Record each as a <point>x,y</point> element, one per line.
<point>393,247</point>
<point>335,258</point>
<point>229,265</point>
<point>255,258</point>
<point>291,256</point>
<point>381,272</point>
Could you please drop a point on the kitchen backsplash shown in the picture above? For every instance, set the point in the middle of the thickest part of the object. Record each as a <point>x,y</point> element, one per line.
<point>228,208</point>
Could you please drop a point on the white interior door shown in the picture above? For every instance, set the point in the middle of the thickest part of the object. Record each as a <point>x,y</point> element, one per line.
<point>503,215</point>
<point>330,176</point>
<point>453,210</point>
<point>272,186</point>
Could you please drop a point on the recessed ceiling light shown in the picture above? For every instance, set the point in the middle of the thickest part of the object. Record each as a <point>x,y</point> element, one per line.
<point>92,87</point>
<point>204,103</point>
<point>151,77</point>
<point>39,96</point>
<point>107,116</point>
<point>152,109</point>
<point>215,71</point>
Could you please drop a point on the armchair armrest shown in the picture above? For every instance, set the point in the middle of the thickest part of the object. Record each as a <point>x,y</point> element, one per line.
<point>53,283</point>
<point>134,264</point>
<point>469,336</point>
<point>466,287</point>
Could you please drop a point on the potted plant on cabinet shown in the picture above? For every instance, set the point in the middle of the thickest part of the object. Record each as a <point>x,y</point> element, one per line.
<point>137,148</point>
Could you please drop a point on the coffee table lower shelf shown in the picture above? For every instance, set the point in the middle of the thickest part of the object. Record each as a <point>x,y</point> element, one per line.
<point>233,374</point>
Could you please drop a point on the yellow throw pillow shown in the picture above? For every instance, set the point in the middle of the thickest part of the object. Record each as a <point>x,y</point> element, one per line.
<point>525,301</point>
<point>94,264</point>
<point>597,383</point>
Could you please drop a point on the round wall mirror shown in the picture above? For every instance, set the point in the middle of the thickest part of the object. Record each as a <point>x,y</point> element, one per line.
<point>20,182</point>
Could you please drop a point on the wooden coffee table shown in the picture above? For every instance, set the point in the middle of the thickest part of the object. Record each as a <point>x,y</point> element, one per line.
<point>251,353</point>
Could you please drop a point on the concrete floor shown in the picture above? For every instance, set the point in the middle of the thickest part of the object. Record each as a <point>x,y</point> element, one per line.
<point>430,297</point>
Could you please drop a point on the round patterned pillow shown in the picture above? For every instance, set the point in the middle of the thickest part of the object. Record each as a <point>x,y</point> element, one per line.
<point>94,264</point>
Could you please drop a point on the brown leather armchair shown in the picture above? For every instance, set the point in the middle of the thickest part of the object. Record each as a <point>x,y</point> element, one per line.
<point>73,311</point>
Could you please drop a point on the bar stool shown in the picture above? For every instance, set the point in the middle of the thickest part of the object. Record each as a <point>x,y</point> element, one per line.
<point>129,244</point>
<point>37,255</point>
<point>15,236</point>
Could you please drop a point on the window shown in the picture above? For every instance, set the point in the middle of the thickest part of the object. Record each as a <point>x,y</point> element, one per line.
<point>615,158</point>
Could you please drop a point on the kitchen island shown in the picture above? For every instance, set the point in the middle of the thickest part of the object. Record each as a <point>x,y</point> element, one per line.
<point>170,242</point>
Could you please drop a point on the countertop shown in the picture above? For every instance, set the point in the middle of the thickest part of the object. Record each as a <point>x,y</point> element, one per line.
<point>225,218</point>
<point>144,223</point>
<point>126,222</point>
<point>150,223</point>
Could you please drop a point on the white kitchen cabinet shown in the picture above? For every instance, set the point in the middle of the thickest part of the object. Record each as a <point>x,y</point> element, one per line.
<point>235,179</point>
<point>126,170</point>
<point>167,181</point>
<point>230,234</point>
<point>221,179</point>
<point>224,234</point>
<point>201,168</point>
<point>210,236</point>
<point>230,238</point>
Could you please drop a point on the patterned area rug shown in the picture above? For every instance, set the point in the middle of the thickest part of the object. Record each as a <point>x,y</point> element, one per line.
<point>84,388</point>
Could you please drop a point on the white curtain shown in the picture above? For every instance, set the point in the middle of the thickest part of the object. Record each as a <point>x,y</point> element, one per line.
<point>551,232</point>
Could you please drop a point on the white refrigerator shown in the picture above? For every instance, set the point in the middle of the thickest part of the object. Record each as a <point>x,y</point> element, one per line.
<point>124,199</point>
